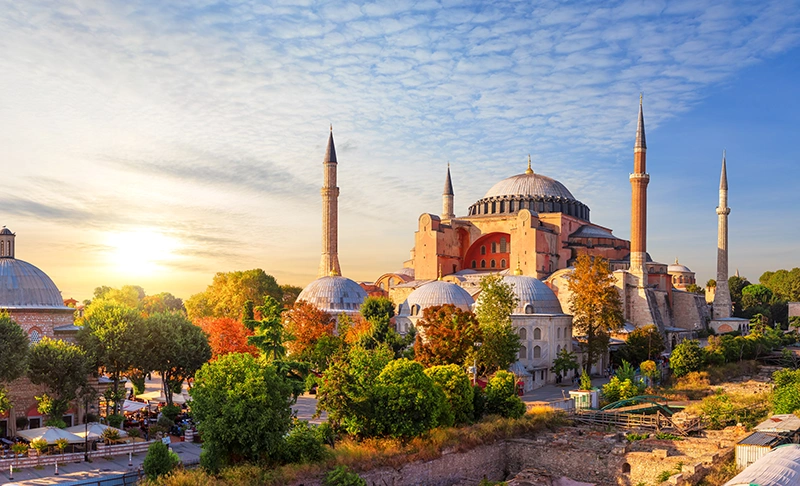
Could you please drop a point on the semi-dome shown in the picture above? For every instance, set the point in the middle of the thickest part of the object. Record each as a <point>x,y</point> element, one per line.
<point>529,185</point>
<point>437,293</point>
<point>23,286</point>
<point>334,294</point>
<point>533,296</point>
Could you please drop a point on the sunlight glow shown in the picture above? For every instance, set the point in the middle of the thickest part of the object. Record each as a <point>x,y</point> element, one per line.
<point>143,251</point>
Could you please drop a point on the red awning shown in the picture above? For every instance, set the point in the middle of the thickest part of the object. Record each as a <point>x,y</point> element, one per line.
<point>34,411</point>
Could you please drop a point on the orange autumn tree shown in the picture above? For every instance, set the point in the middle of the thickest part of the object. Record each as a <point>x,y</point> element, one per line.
<point>226,335</point>
<point>446,335</point>
<point>306,325</point>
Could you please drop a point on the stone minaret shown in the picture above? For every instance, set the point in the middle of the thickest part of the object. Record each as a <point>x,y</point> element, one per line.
<point>6,243</point>
<point>329,264</point>
<point>722,296</point>
<point>639,180</point>
<point>447,198</point>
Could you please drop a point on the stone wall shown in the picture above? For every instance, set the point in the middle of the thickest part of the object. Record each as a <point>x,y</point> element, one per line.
<point>690,310</point>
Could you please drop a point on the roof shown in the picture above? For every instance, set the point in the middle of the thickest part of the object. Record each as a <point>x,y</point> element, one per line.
<point>68,328</point>
<point>334,294</point>
<point>589,231</point>
<point>330,152</point>
<point>761,439</point>
<point>439,292</point>
<point>24,286</point>
<point>5,231</point>
<point>529,185</point>
<point>779,467</point>
<point>678,268</point>
<point>448,184</point>
<point>779,423</point>
<point>640,138</point>
<point>532,292</point>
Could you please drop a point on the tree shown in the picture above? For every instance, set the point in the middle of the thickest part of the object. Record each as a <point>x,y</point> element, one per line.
<point>290,294</point>
<point>228,292</point>
<point>457,389</point>
<point>226,335</point>
<point>348,388</point>
<point>226,394</point>
<point>501,396</point>
<point>407,401</point>
<point>269,334</point>
<point>695,289</point>
<point>595,305</point>
<point>13,356</point>
<point>786,397</point>
<point>306,325</point>
<point>711,283</point>
<point>649,370</point>
<point>159,460</point>
<point>564,362</point>
<point>735,286</point>
<point>500,345</point>
<point>63,369</point>
<point>687,356</point>
<point>160,303</point>
<point>378,312</point>
<point>112,336</point>
<point>176,348</point>
<point>785,284</point>
<point>447,335</point>
<point>643,343</point>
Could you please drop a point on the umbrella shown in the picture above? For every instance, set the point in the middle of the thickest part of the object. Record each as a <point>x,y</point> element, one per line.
<point>50,434</point>
<point>131,406</point>
<point>158,396</point>
<point>94,430</point>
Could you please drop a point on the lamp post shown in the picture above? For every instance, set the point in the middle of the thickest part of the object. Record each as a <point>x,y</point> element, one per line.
<point>86,429</point>
<point>475,364</point>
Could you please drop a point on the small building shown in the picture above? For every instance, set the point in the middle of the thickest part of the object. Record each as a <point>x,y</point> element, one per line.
<point>755,446</point>
<point>786,425</point>
<point>794,309</point>
<point>781,467</point>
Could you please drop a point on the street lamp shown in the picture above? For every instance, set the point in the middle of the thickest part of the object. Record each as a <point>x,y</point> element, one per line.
<point>86,429</point>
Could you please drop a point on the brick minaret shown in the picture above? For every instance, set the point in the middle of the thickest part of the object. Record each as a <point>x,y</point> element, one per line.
<point>722,296</point>
<point>329,263</point>
<point>447,198</point>
<point>639,180</point>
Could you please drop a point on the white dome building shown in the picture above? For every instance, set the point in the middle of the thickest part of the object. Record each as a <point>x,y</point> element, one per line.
<point>431,294</point>
<point>335,295</point>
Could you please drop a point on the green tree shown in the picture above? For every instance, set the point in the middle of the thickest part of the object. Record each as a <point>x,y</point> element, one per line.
<point>786,395</point>
<point>500,345</point>
<point>407,400</point>
<point>159,460</point>
<point>649,370</point>
<point>270,335</point>
<point>457,389</point>
<point>501,396</point>
<point>112,336</point>
<point>687,356</point>
<point>342,476</point>
<point>378,312</point>
<point>228,292</point>
<point>595,305</point>
<point>446,335</point>
<point>290,294</point>
<point>176,349</point>
<point>63,369</point>
<point>13,356</point>
<point>735,287</point>
<point>564,362</point>
<point>695,289</point>
<point>226,395</point>
<point>160,303</point>
<point>643,343</point>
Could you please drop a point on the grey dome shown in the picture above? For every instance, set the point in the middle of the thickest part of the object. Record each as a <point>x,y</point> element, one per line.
<point>437,293</point>
<point>23,286</point>
<point>678,268</point>
<point>533,296</point>
<point>529,185</point>
<point>334,294</point>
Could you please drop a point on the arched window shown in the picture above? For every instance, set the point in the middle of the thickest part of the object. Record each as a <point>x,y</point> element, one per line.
<point>537,352</point>
<point>502,206</point>
<point>2,248</point>
<point>35,336</point>
<point>528,309</point>
<point>511,206</point>
<point>558,349</point>
<point>523,352</point>
<point>558,333</point>
<point>483,249</point>
<point>485,208</point>
<point>503,263</point>
<point>474,264</point>
<point>483,263</point>
<point>415,309</point>
<point>626,468</point>
<point>523,334</point>
<point>494,207</point>
<point>493,264</point>
<point>503,245</point>
<point>381,286</point>
<point>537,333</point>
<point>494,247</point>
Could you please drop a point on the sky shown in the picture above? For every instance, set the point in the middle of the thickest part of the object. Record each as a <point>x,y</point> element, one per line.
<point>157,143</point>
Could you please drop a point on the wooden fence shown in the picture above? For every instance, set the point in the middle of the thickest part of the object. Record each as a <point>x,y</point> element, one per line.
<point>51,459</point>
<point>657,421</point>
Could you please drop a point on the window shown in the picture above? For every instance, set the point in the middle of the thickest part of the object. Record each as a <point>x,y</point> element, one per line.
<point>493,264</point>
<point>523,334</point>
<point>537,352</point>
<point>2,248</point>
<point>537,333</point>
<point>454,269</point>
<point>503,263</point>
<point>523,352</point>
<point>35,336</point>
<point>415,309</point>
<point>483,249</point>
<point>511,206</point>
<point>67,420</point>
<point>474,264</point>
<point>34,423</point>
<point>494,247</point>
<point>558,333</point>
<point>528,309</point>
<point>485,208</point>
<point>494,207</point>
<point>502,206</point>
<point>483,263</point>
<point>558,349</point>
<point>503,248</point>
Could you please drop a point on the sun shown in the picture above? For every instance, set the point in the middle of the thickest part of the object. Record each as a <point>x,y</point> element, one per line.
<point>142,251</point>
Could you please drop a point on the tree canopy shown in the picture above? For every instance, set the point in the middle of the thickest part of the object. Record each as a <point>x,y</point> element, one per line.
<point>643,343</point>
<point>595,305</point>
<point>226,335</point>
<point>63,369</point>
<point>447,335</point>
<point>687,356</point>
<point>500,345</point>
<point>229,291</point>
<point>306,325</point>
<point>13,355</point>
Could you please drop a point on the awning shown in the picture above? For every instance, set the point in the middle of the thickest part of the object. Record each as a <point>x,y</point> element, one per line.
<point>94,430</point>
<point>50,434</point>
<point>33,411</point>
<point>158,396</point>
<point>131,406</point>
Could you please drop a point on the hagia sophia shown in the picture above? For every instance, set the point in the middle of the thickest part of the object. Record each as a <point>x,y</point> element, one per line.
<point>529,228</point>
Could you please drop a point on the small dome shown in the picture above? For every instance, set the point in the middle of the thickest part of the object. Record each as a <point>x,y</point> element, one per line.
<point>533,296</point>
<point>437,293</point>
<point>5,231</point>
<point>678,268</point>
<point>334,294</point>
<point>22,285</point>
<point>529,185</point>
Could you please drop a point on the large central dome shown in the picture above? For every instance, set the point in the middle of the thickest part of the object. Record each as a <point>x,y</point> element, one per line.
<point>23,286</point>
<point>529,185</point>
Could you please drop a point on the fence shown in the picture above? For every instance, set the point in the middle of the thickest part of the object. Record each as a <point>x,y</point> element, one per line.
<point>657,421</point>
<point>51,459</point>
<point>128,479</point>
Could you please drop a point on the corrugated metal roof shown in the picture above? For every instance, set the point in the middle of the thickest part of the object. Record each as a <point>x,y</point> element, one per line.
<point>780,423</point>
<point>762,439</point>
<point>781,467</point>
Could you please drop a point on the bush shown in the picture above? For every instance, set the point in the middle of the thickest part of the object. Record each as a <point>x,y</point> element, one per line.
<point>171,412</point>
<point>586,381</point>
<point>616,389</point>
<point>159,460</point>
<point>341,476</point>
<point>457,391</point>
<point>478,403</point>
<point>111,435</point>
<point>134,433</point>
<point>786,397</point>
<point>165,422</point>
<point>502,398</point>
<point>55,422</point>
<point>303,444</point>
<point>687,356</point>
<point>115,420</point>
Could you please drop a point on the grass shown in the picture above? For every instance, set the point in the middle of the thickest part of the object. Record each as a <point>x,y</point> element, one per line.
<point>632,437</point>
<point>698,384</point>
<point>375,453</point>
<point>719,474</point>
<point>667,436</point>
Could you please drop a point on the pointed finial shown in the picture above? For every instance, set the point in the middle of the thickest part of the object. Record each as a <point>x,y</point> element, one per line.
<point>641,95</point>
<point>448,183</point>
<point>440,272</point>
<point>723,177</point>
<point>518,270</point>
<point>676,260</point>
<point>640,138</point>
<point>529,171</point>
<point>331,126</point>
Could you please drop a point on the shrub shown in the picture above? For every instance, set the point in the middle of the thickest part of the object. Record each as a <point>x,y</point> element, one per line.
<point>586,381</point>
<point>786,397</point>
<point>165,422</point>
<point>667,436</point>
<point>55,422</point>
<point>159,460</point>
<point>341,476</point>
<point>62,444</point>
<point>39,444</point>
<point>115,420</point>
<point>457,391</point>
<point>111,435</point>
<point>632,437</point>
<point>616,389</point>
<point>134,433</point>
<point>687,356</point>
<point>170,411</point>
<point>303,444</point>
<point>502,398</point>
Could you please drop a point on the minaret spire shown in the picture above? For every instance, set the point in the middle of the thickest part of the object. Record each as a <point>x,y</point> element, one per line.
<point>329,263</point>
<point>639,180</point>
<point>529,171</point>
<point>447,197</point>
<point>722,296</point>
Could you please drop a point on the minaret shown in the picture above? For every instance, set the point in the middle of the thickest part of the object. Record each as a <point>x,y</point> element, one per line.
<point>639,180</point>
<point>6,243</point>
<point>447,198</point>
<point>722,296</point>
<point>329,264</point>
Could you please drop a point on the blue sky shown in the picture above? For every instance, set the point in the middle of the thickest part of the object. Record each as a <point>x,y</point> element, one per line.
<point>159,142</point>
